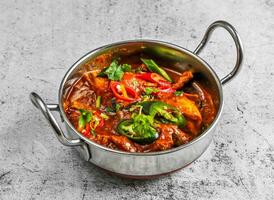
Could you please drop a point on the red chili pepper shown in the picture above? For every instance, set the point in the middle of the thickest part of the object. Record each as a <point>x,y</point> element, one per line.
<point>154,78</point>
<point>86,131</point>
<point>123,92</point>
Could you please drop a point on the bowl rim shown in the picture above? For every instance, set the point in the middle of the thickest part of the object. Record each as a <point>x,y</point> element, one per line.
<point>167,44</point>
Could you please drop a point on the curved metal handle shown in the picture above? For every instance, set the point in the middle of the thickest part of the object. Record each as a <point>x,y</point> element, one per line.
<point>237,41</point>
<point>45,109</point>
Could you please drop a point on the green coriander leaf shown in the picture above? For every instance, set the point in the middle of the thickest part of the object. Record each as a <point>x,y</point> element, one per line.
<point>147,97</point>
<point>139,129</point>
<point>150,90</point>
<point>102,73</point>
<point>96,122</point>
<point>93,132</point>
<point>115,71</point>
<point>104,116</point>
<point>135,107</point>
<point>117,106</point>
<point>126,67</point>
<point>135,83</point>
<point>143,125</point>
<point>138,69</point>
<point>114,105</point>
<point>178,93</point>
<point>109,109</point>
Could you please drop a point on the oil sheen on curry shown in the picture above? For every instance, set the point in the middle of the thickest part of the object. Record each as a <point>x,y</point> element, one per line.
<point>137,105</point>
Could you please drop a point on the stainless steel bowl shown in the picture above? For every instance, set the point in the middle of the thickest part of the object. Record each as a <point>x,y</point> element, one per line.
<point>144,165</point>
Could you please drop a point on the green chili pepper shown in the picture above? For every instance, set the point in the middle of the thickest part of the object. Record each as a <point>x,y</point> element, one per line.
<point>166,113</point>
<point>163,112</point>
<point>84,118</point>
<point>138,129</point>
<point>150,90</point>
<point>178,93</point>
<point>146,106</point>
<point>115,71</point>
<point>104,116</point>
<point>153,67</point>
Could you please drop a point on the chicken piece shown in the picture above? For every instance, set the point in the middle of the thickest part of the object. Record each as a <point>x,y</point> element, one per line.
<point>192,97</point>
<point>73,116</point>
<point>208,109</point>
<point>193,127</point>
<point>80,95</point>
<point>190,111</point>
<point>101,139</point>
<point>98,84</point>
<point>186,106</point>
<point>179,136</point>
<point>123,143</point>
<point>81,105</point>
<point>184,78</point>
<point>99,62</point>
<point>164,142</point>
<point>143,67</point>
<point>170,136</point>
<point>119,141</point>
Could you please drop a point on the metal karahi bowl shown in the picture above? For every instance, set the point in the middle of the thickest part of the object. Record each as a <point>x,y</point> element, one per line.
<point>145,165</point>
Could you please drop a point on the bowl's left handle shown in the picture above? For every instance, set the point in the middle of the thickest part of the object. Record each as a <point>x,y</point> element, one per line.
<point>46,111</point>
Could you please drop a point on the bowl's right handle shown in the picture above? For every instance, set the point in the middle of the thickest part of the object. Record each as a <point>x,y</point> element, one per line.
<point>46,111</point>
<point>238,43</point>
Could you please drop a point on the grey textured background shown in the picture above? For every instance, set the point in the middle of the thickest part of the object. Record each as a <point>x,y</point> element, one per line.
<point>40,40</point>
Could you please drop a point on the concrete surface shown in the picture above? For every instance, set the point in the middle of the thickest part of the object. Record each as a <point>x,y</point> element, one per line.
<point>39,40</point>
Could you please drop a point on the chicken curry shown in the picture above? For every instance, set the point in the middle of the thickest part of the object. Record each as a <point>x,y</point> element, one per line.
<point>138,106</point>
